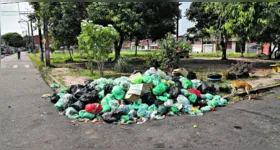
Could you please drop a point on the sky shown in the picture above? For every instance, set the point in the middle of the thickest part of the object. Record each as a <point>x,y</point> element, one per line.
<point>10,17</point>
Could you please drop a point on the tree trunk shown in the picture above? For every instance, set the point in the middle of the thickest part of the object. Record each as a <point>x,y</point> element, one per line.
<point>136,46</point>
<point>202,49</point>
<point>224,49</point>
<point>91,67</point>
<point>41,43</point>
<point>118,47</point>
<point>47,54</point>
<point>100,65</point>
<point>269,52</point>
<point>243,48</point>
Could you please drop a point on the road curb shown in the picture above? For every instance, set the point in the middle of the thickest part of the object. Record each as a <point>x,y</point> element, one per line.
<point>56,81</point>
<point>258,90</point>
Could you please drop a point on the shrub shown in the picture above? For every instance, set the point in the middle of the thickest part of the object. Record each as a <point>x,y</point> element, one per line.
<point>241,68</point>
<point>122,65</point>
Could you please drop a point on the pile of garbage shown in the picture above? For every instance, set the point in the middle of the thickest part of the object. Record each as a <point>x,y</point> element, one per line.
<point>142,96</point>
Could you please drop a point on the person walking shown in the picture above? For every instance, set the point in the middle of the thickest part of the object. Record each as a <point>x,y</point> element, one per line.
<point>18,51</point>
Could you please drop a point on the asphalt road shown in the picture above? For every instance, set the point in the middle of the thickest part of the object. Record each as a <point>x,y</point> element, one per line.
<point>27,120</point>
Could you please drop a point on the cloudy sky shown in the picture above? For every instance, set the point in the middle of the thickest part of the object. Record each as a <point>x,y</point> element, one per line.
<point>10,17</point>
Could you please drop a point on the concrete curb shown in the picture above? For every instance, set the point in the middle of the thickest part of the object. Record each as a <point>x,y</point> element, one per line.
<point>258,90</point>
<point>56,81</point>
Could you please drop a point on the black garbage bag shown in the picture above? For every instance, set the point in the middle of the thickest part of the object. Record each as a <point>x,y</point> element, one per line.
<point>54,98</point>
<point>78,105</point>
<point>112,116</point>
<point>176,78</point>
<point>148,98</point>
<point>81,91</point>
<point>200,102</point>
<point>91,97</point>
<point>207,88</point>
<point>174,91</point>
<point>178,84</point>
<point>108,88</point>
<point>88,82</point>
<point>68,100</point>
<point>158,102</point>
<point>191,75</point>
<point>73,88</point>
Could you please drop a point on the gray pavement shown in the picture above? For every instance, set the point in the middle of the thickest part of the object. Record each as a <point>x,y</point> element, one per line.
<point>26,121</point>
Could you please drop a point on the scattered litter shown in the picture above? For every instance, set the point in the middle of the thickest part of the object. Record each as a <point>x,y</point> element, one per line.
<point>151,95</point>
<point>55,86</point>
<point>237,127</point>
<point>46,95</point>
<point>195,126</point>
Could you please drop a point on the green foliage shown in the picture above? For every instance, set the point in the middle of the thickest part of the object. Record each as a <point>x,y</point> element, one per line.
<point>98,40</point>
<point>122,65</point>
<point>184,46</point>
<point>13,39</point>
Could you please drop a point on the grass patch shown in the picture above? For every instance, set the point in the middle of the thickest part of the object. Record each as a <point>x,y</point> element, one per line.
<point>219,54</point>
<point>35,59</point>
<point>106,74</point>
<point>87,74</point>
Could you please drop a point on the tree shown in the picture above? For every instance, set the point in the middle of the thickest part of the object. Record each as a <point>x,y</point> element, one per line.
<point>136,20</point>
<point>64,22</point>
<point>203,21</point>
<point>36,17</point>
<point>97,41</point>
<point>13,39</point>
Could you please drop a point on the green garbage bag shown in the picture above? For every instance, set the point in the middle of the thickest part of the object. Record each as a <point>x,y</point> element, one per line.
<point>125,117</point>
<point>61,95</point>
<point>63,90</point>
<point>207,96</point>
<point>162,98</point>
<point>153,107</point>
<point>132,113</point>
<point>222,102</point>
<point>162,109</point>
<point>192,98</point>
<point>118,92</point>
<point>125,108</point>
<point>217,97</point>
<point>105,108</point>
<point>205,108</point>
<point>185,92</point>
<point>198,112</point>
<point>141,112</point>
<point>186,84</point>
<point>114,104</point>
<point>71,113</point>
<point>101,94</point>
<point>59,105</point>
<point>100,87</point>
<point>83,114</point>
<point>174,109</point>
<point>135,106</point>
<point>55,86</point>
<point>212,103</point>
<point>137,80</point>
<point>156,80</point>
<point>147,78</point>
<point>159,89</point>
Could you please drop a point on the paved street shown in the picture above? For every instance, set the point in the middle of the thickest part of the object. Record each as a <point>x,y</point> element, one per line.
<point>27,120</point>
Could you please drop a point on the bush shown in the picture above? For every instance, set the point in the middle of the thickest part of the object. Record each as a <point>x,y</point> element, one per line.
<point>122,65</point>
<point>241,69</point>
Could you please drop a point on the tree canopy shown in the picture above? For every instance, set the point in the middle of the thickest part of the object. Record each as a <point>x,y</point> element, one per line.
<point>13,39</point>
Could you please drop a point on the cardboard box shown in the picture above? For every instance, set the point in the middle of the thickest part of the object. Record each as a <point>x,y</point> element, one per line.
<point>182,71</point>
<point>135,92</point>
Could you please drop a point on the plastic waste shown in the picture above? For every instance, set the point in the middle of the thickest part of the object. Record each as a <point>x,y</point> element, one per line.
<point>95,108</point>
<point>207,96</point>
<point>174,91</point>
<point>88,82</point>
<point>185,92</point>
<point>212,103</point>
<point>146,78</point>
<point>62,90</point>
<point>125,109</point>
<point>125,117</point>
<point>174,109</point>
<point>152,108</point>
<point>83,114</point>
<point>192,98</point>
<point>112,116</point>
<point>118,92</point>
<point>59,105</point>
<point>73,88</point>
<point>108,88</point>
<point>90,97</point>
<point>199,112</point>
<point>132,113</point>
<point>151,71</point>
<point>159,89</point>
<point>156,79</point>
<point>79,92</point>
<point>205,108</point>
<point>196,83</point>
<point>162,110</point>
<point>186,83</point>
<point>222,102</point>
<point>101,94</point>
<point>168,103</point>
<point>161,73</point>
<point>71,113</point>
<point>54,98</point>
<point>148,98</point>
<point>55,86</point>
<point>191,75</point>
<point>183,100</point>
<point>194,91</point>
<point>61,95</point>
<point>114,104</point>
<point>190,110</point>
<point>78,105</point>
<point>68,99</point>
<point>136,78</point>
